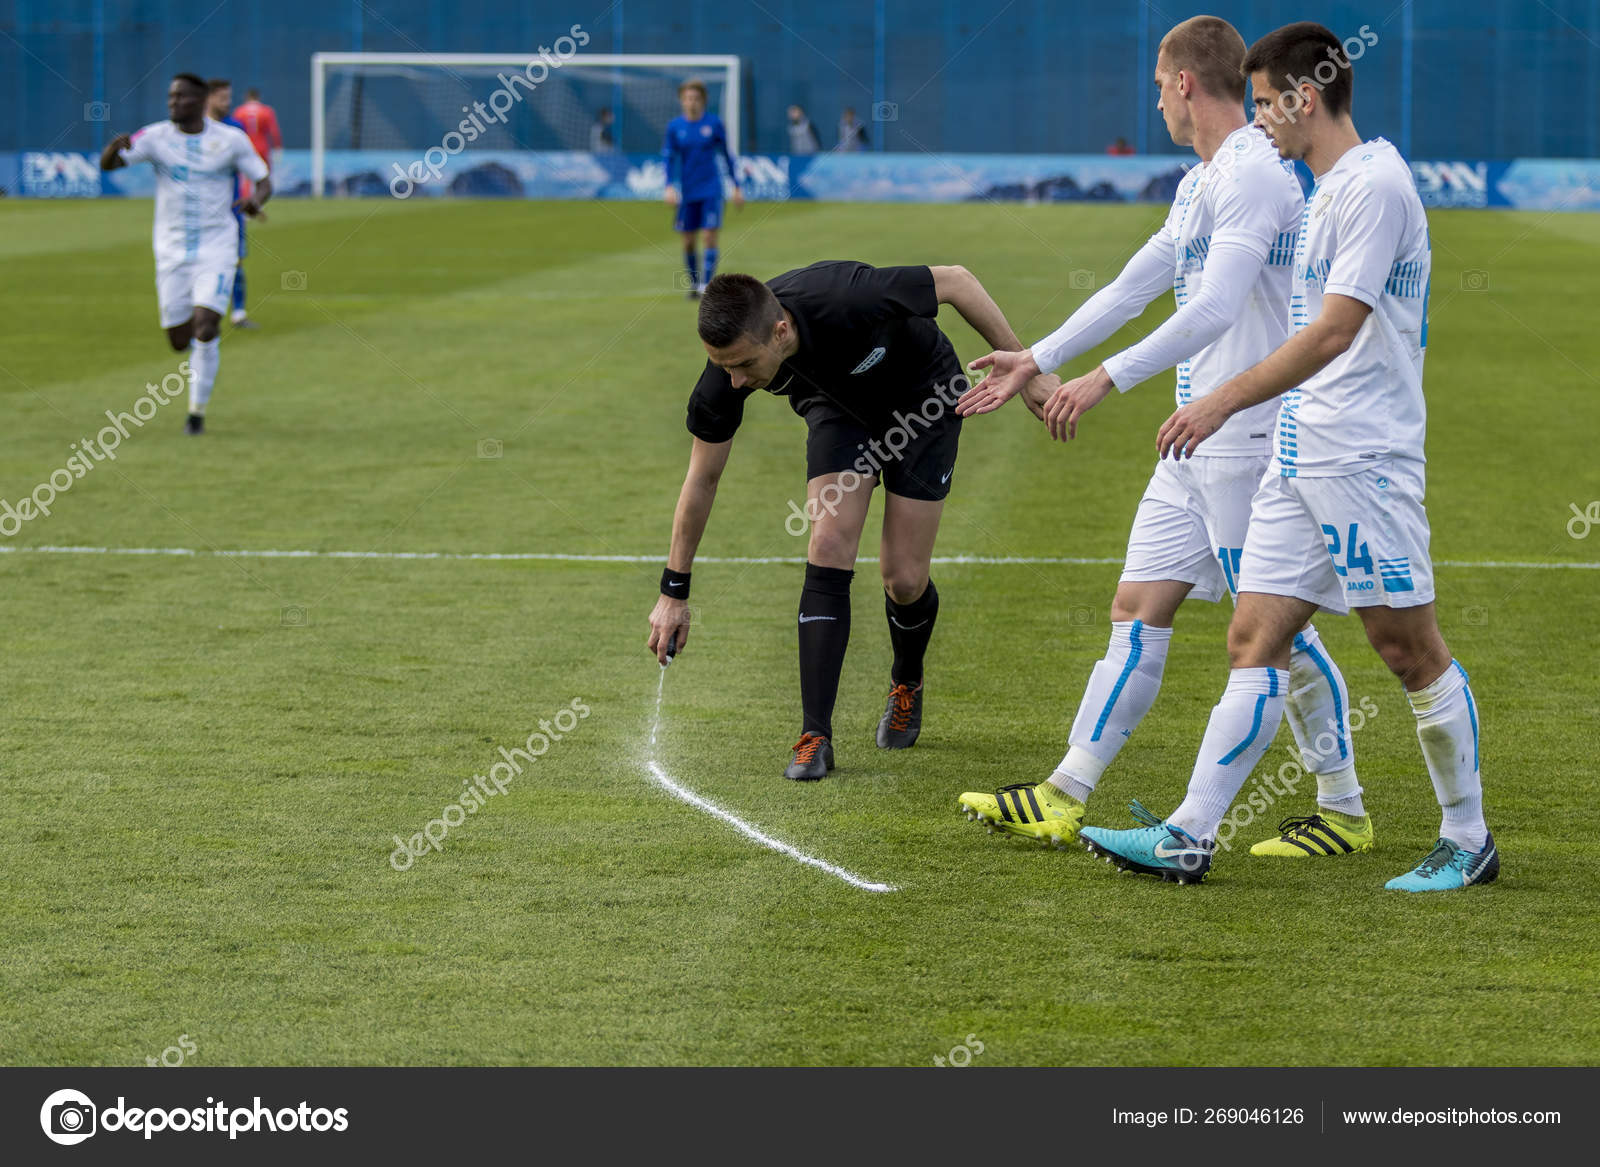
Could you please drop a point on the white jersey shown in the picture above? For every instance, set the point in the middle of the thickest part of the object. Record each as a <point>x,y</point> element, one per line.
<point>195,189</point>
<point>1249,199</point>
<point>1365,235</point>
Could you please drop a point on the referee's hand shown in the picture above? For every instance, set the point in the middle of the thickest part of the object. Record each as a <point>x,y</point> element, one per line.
<point>1009,373</point>
<point>669,616</point>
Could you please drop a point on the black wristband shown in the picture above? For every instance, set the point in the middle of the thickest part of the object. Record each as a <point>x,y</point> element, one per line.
<point>675,583</point>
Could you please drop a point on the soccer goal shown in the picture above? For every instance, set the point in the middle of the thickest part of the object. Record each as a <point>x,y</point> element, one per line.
<point>406,103</point>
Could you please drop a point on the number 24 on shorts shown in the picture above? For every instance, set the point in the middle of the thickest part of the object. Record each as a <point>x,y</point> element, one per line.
<point>1353,561</point>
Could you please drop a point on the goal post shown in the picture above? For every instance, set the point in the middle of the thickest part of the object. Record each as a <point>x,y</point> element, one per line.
<point>406,103</point>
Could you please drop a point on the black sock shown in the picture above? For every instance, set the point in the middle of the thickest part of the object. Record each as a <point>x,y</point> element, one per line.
<point>910,627</point>
<point>824,632</point>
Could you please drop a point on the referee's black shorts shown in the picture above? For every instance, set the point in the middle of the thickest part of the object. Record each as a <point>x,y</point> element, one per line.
<point>915,452</point>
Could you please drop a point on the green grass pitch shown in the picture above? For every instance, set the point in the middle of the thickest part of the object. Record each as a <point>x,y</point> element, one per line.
<point>205,758</point>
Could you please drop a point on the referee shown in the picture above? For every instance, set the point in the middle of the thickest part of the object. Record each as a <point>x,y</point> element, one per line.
<point>858,353</point>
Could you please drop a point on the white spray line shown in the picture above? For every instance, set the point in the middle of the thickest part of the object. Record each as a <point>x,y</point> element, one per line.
<point>562,557</point>
<point>683,793</point>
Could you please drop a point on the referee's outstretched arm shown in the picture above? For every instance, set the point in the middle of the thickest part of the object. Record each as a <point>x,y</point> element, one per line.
<point>956,286</point>
<point>671,614</point>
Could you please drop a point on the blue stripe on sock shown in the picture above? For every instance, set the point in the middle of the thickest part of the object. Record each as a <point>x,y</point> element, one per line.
<point>1255,721</point>
<point>1127,671</point>
<point>1472,711</point>
<point>1255,728</point>
<point>1321,662</point>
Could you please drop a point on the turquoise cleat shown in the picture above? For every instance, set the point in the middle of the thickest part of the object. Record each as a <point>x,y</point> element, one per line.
<point>1450,866</point>
<point>1158,848</point>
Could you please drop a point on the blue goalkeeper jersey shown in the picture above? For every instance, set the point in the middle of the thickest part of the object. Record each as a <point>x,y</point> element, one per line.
<point>690,151</point>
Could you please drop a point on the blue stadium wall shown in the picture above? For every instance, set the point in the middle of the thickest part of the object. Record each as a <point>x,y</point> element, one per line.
<point>1478,79</point>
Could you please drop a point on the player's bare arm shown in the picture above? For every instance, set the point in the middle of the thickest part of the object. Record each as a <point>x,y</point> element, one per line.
<point>1309,351</point>
<point>111,157</point>
<point>958,287</point>
<point>671,613</point>
<point>258,196</point>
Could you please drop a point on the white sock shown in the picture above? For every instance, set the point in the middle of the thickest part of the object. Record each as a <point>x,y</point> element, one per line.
<point>204,358</point>
<point>1318,711</point>
<point>1121,689</point>
<point>1447,727</point>
<point>1242,726</point>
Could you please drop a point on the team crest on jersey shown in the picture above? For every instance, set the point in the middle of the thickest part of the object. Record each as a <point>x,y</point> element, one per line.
<point>705,131</point>
<point>872,358</point>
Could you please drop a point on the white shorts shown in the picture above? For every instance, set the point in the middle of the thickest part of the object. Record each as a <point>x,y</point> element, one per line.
<point>1357,541</point>
<point>206,282</point>
<point>1191,524</point>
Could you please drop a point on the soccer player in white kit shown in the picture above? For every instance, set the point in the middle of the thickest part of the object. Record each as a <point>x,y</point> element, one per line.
<point>1225,250</point>
<point>1338,522</point>
<point>196,237</point>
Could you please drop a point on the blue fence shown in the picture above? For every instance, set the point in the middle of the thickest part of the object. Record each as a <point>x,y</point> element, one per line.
<point>1497,79</point>
<point>1528,183</point>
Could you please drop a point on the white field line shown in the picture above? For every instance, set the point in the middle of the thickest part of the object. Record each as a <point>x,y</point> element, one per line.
<point>562,557</point>
<point>683,793</point>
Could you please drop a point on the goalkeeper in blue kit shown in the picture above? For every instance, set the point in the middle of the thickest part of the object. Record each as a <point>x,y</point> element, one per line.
<point>694,181</point>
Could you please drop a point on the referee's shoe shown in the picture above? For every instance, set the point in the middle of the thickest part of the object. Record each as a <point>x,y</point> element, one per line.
<point>813,758</point>
<point>902,718</point>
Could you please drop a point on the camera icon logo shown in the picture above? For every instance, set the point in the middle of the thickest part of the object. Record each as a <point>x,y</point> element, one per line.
<point>1081,616</point>
<point>1474,280</point>
<point>885,111</point>
<point>292,616</point>
<point>68,1117</point>
<point>490,448</point>
<point>1476,616</point>
<point>97,111</point>
<point>1081,280</point>
<point>294,281</point>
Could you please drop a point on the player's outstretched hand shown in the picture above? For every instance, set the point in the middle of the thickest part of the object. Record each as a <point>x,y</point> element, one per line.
<point>122,142</point>
<point>738,199</point>
<point>669,617</point>
<point>671,195</point>
<point>1009,373</point>
<point>248,205</point>
<point>1190,425</point>
<point>1074,399</point>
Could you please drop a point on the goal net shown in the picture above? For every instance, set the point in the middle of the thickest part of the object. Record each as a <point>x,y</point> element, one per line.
<point>403,104</point>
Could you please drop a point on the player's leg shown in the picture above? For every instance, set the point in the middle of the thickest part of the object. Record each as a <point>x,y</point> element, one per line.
<point>712,222</point>
<point>686,221</point>
<point>205,356</point>
<point>836,502</point>
<point>911,605</point>
<point>1169,556</point>
<point>1284,577</point>
<point>918,460</point>
<point>1409,641</point>
<point>239,317</point>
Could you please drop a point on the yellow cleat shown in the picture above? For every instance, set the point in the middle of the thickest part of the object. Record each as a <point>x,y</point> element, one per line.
<point>1027,811</point>
<point>1319,835</point>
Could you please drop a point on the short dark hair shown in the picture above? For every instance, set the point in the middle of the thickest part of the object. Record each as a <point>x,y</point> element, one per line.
<point>217,84</point>
<point>252,93</point>
<point>1305,53</point>
<point>1211,49</point>
<point>191,79</point>
<point>735,304</point>
<point>695,83</point>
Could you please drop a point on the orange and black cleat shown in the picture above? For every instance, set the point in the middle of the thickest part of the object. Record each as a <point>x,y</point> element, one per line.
<point>902,718</point>
<point>813,758</point>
